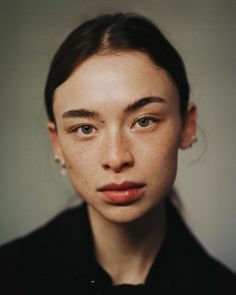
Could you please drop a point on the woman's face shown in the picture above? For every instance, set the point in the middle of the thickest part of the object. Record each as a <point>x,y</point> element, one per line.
<point>118,120</point>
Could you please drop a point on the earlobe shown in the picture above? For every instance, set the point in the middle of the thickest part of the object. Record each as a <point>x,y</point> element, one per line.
<point>53,135</point>
<point>188,136</point>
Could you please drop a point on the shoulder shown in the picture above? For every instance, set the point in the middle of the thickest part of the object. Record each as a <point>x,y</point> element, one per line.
<point>10,263</point>
<point>55,228</point>
<point>40,249</point>
<point>51,232</point>
<point>224,280</point>
<point>192,265</point>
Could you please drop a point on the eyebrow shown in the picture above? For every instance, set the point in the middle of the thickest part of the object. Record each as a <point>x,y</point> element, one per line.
<point>85,113</point>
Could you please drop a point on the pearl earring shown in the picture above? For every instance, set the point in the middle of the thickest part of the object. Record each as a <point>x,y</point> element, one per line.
<point>63,170</point>
<point>194,139</point>
<point>57,159</point>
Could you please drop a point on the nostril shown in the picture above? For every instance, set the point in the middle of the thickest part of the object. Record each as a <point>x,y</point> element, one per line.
<point>118,167</point>
<point>117,154</point>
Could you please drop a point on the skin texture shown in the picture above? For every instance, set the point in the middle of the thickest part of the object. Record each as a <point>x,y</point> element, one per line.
<point>119,146</point>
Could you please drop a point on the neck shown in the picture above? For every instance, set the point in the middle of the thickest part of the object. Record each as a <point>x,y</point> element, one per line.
<point>128,250</point>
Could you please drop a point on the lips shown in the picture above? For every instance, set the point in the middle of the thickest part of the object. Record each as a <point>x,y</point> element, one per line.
<point>119,187</point>
<point>124,193</point>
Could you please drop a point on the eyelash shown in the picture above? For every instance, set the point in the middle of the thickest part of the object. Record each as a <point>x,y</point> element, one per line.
<point>150,118</point>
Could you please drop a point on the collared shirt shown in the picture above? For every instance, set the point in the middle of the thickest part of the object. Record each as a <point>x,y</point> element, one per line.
<point>59,258</point>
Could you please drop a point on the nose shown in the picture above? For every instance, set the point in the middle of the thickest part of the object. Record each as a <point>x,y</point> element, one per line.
<point>117,154</point>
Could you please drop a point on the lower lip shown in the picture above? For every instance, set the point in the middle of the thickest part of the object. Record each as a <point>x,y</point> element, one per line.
<point>123,197</point>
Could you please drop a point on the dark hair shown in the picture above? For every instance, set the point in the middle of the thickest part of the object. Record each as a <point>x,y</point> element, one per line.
<point>116,33</point>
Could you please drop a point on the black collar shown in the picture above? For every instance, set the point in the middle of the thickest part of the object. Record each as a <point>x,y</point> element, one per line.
<point>60,256</point>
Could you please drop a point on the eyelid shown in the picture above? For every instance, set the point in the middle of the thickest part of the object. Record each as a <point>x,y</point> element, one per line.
<point>74,129</point>
<point>150,117</point>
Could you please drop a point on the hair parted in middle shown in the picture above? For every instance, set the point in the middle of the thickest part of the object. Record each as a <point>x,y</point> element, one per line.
<point>114,33</point>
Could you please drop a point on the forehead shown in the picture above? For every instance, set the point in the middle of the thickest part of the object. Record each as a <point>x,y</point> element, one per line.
<point>117,78</point>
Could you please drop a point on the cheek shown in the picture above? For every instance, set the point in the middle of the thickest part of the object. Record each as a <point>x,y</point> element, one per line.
<point>79,162</point>
<point>160,153</point>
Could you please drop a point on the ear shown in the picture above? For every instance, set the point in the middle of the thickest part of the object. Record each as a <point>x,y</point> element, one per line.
<point>56,146</point>
<point>188,136</point>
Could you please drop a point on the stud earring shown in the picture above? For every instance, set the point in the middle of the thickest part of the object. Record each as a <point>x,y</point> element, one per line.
<point>194,139</point>
<point>57,159</point>
<point>63,170</point>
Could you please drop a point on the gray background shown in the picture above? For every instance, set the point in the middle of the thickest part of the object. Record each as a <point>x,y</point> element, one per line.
<point>204,32</point>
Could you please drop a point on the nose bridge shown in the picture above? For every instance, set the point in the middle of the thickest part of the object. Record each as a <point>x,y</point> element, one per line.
<point>116,150</point>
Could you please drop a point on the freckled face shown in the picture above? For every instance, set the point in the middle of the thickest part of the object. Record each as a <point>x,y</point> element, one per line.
<point>113,143</point>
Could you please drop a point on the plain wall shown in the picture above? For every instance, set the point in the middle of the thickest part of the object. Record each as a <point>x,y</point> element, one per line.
<point>203,31</point>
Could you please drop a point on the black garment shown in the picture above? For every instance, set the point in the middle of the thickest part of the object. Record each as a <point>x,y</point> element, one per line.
<point>59,259</point>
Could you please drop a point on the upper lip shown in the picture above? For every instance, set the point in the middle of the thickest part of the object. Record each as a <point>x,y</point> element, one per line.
<point>120,186</point>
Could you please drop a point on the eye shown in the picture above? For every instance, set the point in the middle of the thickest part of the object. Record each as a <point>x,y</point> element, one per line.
<point>146,121</point>
<point>84,129</point>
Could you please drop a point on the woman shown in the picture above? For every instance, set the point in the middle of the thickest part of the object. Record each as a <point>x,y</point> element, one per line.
<point>117,99</point>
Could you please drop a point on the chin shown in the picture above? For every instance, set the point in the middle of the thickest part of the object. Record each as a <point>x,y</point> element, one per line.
<point>124,214</point>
